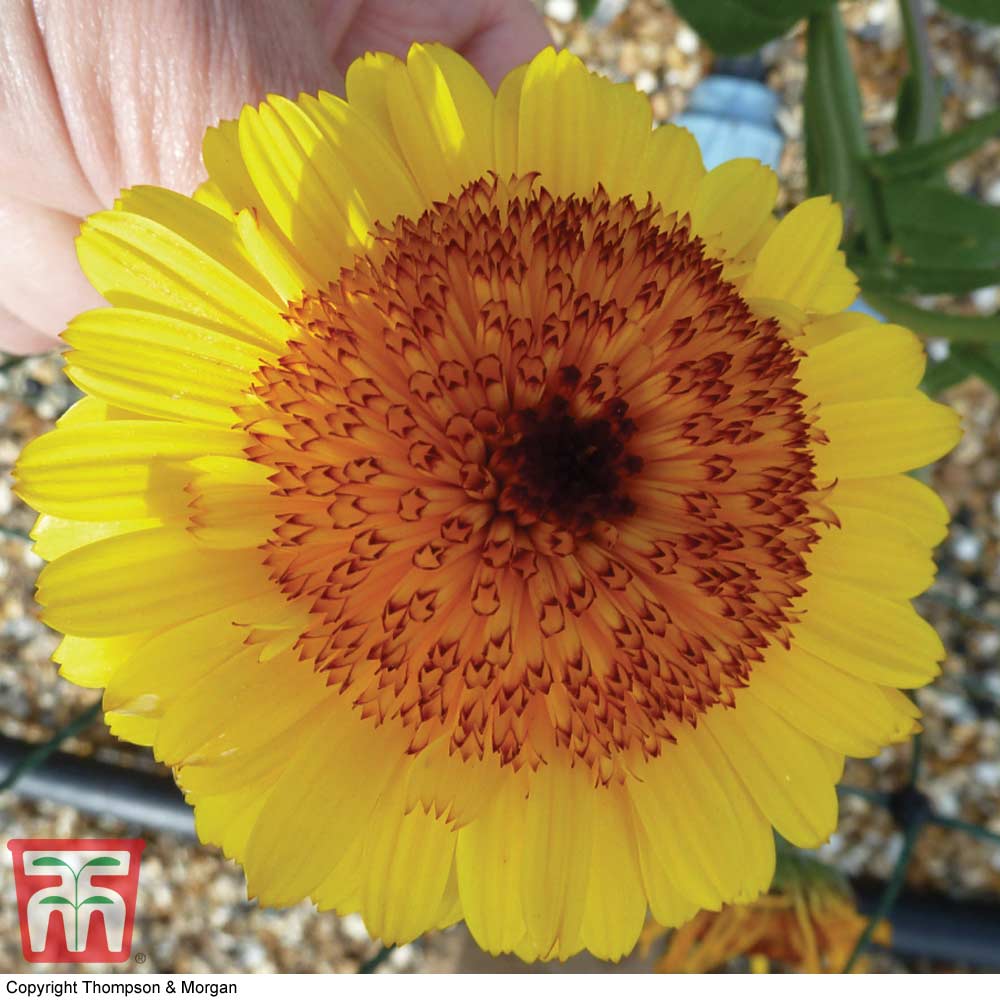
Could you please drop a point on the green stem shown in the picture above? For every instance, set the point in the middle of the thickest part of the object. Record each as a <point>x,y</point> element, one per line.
<point>960,329</point>
<point>848,101</point>
<point>918,50</point>
<point>45,750</point>
<point>889,897</point>
<point>21,536</point>
<point>916,757</point>
<point>373,963</point>
<point>868,794</point>
<point>970,828</point>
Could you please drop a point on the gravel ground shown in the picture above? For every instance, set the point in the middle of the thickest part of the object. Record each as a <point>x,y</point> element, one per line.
<point>192,912</point>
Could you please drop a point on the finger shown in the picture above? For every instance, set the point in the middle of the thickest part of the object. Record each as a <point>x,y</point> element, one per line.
<point>17,337</point>
<point>495,35</point>
<point>41,283</point>
<point>513,36</point>
<point>140,80</point>
<point>37,159</point>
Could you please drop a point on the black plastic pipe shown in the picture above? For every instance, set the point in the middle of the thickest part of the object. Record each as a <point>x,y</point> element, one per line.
<point>144,800</point>
<point>931,927</point>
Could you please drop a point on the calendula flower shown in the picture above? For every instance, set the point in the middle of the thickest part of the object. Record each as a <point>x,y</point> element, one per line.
<point>807,923</point>
<point>487,512</point>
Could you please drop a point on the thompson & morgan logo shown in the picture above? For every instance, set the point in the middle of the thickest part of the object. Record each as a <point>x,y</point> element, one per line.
<point>76,898</point>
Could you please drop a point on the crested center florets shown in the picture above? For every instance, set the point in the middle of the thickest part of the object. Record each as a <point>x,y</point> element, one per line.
<point>545,480</point>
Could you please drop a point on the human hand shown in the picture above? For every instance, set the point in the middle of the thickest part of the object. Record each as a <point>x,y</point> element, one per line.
<point>95,97</point>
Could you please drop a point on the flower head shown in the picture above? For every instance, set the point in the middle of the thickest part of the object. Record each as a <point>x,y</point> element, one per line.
<point>487,512</point>
<point>807,923</point>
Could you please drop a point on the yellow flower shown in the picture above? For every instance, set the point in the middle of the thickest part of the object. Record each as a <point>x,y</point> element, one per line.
<point>807,923</point>
<point>487,512</point>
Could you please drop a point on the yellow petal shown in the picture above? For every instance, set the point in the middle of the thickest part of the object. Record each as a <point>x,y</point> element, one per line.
<point>671,170</point>
<point>138,263</point>
<point>873,551</point>
<point>161,366</point>
<point>435,111</point>
<point>406,862</point>
<point>868,635</point>
<point>688,817</point>
<point>320,805</point>
<point>616,901</point>
<point>800,262</point>
<point>231,502</point>
<point>911,504</point>
<point>489,858</point>
<point>785,772</point>
<point>506,114</point>
<point>732,204</point>
<point>556,124</point>
<point>146,579</point>
<point>882,436</point>
<point>669,906</point>
<point>55,536</point>
<point>846,713</point>
<point>621,136</point>
<point>870,362</point>
<point>755,833</point>
<point>119,470</point>
<point>558,834</point>
<point>91,662</point>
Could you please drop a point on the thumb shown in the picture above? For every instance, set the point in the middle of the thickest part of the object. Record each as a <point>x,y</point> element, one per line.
<point>98,97</point>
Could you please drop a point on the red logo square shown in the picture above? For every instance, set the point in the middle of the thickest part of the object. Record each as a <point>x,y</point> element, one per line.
<point>76,898</point>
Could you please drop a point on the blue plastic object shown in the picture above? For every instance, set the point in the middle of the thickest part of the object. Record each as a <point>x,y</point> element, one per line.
<point>733,116</point>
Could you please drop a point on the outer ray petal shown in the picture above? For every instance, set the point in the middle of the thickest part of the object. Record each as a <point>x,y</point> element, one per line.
<point>875,552</point>
<point>907,501</point>
<point>786,772</point>
<point>136,262</point>
<point>146,579</point>
<point>490,858</point>
<point>160,366</point>
<point>868,635</point>
<point>120,470</point>
<point>558,836</point>
<point>800,262</point>
<point>406,861</point>
<point>616,901</point>
<point>883,436</point>
<point>300,834</point>
<point>732,204</point>
<point>435,110</point>
<point>869,362</point>
<point>846,713</point>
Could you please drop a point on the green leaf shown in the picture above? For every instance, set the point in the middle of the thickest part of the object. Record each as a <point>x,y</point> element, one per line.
<point>828,161</point>
<point>585,9</point>
<point>981,360</point>
<point>916,279</point>
<point>926,158</point>
<point>977,10</point>
<point>103,862</point>
<point>836,144</point>
<point>937,227</point>
<point>919,117</point>
<point>56,899</point>
<point>50,863</point>
<point>98,901</point>
<point>941,375</point>
<point>732,27</point>
<point>927,323</point>
<point>907,115</point>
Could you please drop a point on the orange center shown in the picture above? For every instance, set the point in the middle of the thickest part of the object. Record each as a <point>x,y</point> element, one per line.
<point>545,480</point>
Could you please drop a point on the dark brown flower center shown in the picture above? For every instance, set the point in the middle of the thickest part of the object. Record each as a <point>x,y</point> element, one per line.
<point>568,470</point>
